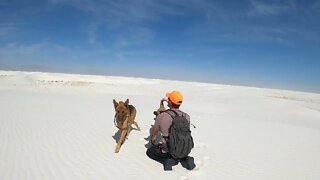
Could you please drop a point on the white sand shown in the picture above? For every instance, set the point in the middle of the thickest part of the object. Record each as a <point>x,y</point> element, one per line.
<point>59,126</point>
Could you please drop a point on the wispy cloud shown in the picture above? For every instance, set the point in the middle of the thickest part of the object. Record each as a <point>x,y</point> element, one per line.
<point>268,8</point>
<point>51,53</point>
<point>13,13</point>
<point>12,48</point>
<point>92,33</point>
<point>7,30</point>
<point>123,11</point>
<point>115,16</point>
<point>119,17</point>
<point>37,52</point>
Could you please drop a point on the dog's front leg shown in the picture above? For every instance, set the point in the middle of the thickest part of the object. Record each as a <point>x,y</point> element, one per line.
<point>136,124</point>
<point>120,141</point>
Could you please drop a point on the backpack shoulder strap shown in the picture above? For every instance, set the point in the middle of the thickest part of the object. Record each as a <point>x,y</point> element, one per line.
<point>172,113</point>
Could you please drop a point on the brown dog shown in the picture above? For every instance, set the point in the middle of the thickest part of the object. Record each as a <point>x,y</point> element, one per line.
<point>124,118</point>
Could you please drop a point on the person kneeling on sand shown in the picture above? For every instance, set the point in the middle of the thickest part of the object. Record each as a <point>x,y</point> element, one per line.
<point>176,142</point>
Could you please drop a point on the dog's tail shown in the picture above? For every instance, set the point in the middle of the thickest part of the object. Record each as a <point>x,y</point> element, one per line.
<point>161,103</point>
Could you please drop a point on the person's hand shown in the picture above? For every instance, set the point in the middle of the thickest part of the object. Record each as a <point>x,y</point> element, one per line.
<point>153,139</point>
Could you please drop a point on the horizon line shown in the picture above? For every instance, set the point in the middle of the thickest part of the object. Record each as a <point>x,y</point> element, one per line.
<point>152,78</point>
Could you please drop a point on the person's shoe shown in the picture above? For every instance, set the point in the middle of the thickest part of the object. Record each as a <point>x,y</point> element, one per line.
<point>168,163</point>
<point>188,163</point>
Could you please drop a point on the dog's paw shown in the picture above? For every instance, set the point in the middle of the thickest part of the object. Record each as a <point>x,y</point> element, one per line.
<point>117,149</point>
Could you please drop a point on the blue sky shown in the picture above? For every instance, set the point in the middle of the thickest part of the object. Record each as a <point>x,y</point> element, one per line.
<point>273,44</point>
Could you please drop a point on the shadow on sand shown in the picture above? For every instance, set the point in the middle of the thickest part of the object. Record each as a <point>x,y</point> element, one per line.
<point>117,135</point>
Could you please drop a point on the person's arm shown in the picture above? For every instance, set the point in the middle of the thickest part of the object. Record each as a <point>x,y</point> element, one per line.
<point>155,130</point>
<point>154,133</point>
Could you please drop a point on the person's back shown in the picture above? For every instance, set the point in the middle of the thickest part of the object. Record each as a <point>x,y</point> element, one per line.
<point>162,124</point>
<point>164,121</point>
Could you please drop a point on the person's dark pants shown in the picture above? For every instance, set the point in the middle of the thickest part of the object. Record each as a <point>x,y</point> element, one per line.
<point>155,153</point>
<point>167,160</point>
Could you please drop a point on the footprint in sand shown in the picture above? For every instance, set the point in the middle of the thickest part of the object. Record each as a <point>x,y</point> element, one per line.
<point>201,161</point>
<point>201,145</point>
<point>183,178</point>
<point>206,158</point>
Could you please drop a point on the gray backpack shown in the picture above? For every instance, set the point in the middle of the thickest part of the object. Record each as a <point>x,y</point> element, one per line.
<point>180,141</point>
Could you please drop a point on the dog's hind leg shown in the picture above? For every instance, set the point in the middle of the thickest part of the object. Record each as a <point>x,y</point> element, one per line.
<point>120,141</point>
<point>136,124</point>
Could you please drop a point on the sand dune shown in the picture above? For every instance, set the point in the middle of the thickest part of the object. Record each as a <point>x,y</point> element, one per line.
<point>60,126</point>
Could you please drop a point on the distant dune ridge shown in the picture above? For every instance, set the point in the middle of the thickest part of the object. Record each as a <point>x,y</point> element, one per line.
<point>60,126</point>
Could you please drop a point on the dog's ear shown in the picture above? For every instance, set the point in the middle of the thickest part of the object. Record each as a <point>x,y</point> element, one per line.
<point>127,102</point>
<point>115,103</point>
